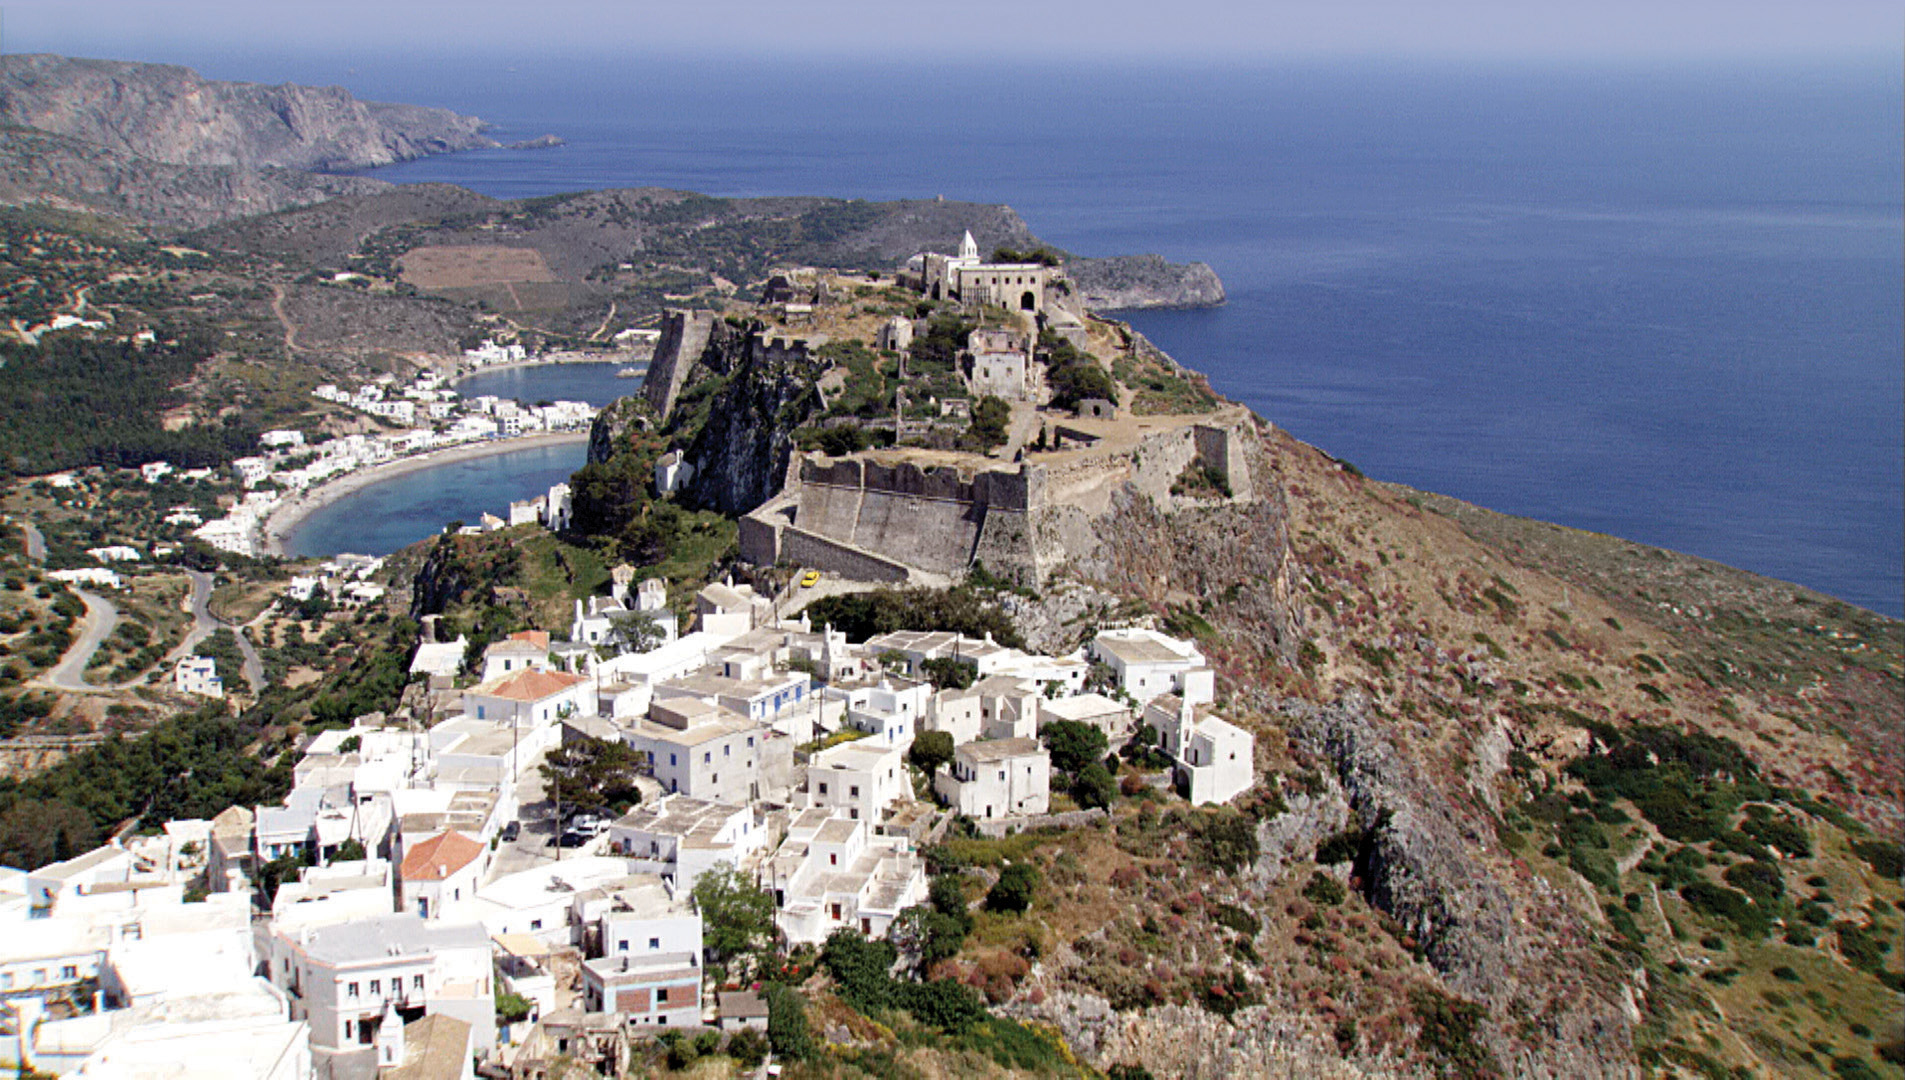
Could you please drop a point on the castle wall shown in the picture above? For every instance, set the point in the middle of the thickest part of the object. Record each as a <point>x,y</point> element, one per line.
<point>684,337</point>
<point>803,548</point>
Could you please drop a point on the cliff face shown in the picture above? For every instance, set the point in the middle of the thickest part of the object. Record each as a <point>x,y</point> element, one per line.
<point>170,114</point>
<point>740,456</point>
<point>1130,282</point>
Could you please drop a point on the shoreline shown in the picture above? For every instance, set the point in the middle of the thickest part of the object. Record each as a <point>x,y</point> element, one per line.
<point>288,515</point>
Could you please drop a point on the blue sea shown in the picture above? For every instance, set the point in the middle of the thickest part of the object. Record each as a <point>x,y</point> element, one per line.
<point>1662,302</point>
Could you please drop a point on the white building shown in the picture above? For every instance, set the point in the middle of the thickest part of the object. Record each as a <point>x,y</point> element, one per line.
<point>530,699</point>
<point>1148,664</point>
<point>889,712</point>
<point>700,749</point>
<point>860,779</point>
<point>832,872</point>
<point>681,838</point>
<point>345,979</point>
<point>1214,758</point>
<point>999,778</point>
<point>439,875</point>
<point>198,675</point>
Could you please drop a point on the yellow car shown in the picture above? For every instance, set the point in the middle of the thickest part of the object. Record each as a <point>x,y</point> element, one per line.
<point>810,579</point>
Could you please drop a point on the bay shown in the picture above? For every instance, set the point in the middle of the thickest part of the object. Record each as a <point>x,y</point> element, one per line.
<point>383,517</point>
<point>1662,302</point>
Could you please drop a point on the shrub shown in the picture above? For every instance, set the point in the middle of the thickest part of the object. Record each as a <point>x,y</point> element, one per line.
<point>1325,890</point>
<point>1448,1031</point>
<point>1094,788</point>
<point>1759,880</point>
<point>1884,856</point>
<point>1729,904</point>
<point>1014,890</point>
<point>1227,841</point>
<point>747,1047</point>
<point>1340,847</point>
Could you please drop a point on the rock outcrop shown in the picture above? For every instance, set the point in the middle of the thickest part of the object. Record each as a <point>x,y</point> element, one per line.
<point>1519,952</point>
<point>741,454</point>
<point>1132,282</point>
<point>171,114</point>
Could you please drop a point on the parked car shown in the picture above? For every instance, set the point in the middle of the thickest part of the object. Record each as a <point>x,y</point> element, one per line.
<point>511,831</point>
<point>810,579</point>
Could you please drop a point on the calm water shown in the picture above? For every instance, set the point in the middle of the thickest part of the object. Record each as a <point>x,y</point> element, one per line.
<point>1664,304</point>
<point>384,517</point>
<point>596,384</point>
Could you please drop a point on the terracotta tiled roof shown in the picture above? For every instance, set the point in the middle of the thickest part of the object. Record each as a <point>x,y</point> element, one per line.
<point>530,685</point>
<point>439,857</point>
<point>538,638</point>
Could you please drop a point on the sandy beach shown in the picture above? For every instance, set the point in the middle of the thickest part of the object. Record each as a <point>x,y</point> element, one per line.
<point>295,509</point>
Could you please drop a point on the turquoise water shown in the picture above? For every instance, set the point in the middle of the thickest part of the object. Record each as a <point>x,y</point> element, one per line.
<point>395,513</point>
<point>1659,302</point>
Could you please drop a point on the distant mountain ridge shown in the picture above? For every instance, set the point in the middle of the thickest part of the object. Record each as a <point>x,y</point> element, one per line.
<point>173,115</point>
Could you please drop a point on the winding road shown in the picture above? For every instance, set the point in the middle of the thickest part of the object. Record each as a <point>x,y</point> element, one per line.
<point>70,674</point>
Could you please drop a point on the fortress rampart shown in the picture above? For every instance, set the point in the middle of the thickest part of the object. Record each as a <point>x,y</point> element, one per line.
<point>875,518</point>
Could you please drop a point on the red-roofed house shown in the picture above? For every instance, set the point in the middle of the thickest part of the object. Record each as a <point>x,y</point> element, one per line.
<point>531,699</point>
<point>441,873</point>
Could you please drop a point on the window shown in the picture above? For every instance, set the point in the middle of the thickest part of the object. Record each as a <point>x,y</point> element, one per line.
<point>416,982</point>
<point>69,972</point>
<point>347,1029</point>
<point>661,996</point>
<point>750,742</point>
<point>833,859</point>
<point>535,924</point>
<point>671,759</point>
<point>854,791</point>
<point>707,757</point>
<point>654,944</point>
<point>353,990</point>
<point>823,787</point>
<point>376,987</point>
<point>727,751</point>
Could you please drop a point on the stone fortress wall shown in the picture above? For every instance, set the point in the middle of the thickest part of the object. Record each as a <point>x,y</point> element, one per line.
<point>881,517</point>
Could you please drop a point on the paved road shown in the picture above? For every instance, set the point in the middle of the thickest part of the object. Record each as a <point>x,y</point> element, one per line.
<point>35,543</point>
<point>70,673</point>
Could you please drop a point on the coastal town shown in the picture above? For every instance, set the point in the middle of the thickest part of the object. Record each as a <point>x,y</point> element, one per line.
<point>538,855</point>
<point>423,898</point>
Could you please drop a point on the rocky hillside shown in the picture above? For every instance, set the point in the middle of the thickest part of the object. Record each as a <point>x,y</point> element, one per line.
<point>46,170</point>
<point>170,114</point>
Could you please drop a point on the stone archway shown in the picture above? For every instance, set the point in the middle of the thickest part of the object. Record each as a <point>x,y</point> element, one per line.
<point>1028,301</point>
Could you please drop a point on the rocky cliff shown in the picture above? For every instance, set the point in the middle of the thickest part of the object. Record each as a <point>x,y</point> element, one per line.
<point>740,455</point>
<point>170,114</point>
<point>1131,282</point>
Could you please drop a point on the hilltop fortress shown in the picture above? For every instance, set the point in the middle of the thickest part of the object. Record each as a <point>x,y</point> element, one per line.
<point>932,505</point>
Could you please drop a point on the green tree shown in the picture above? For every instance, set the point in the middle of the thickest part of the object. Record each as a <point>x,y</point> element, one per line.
<point>593,774</point>
<point>1073,745</point>
<point>787,1029</point>
<point>737,916</point>
<point>1014,890</point>
<point>931,749</point>
<point>1094,787</point>
<point>990,425</point>
<point>947,673</point>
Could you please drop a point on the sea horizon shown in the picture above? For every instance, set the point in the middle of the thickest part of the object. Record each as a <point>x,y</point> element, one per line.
<point>1659,301</point>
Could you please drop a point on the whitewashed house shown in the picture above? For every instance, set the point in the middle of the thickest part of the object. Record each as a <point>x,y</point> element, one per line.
<point>1214,757</point>
<point>998,778</point>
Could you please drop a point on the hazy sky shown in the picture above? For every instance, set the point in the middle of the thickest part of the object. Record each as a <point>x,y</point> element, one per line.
<point>896,29</point>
